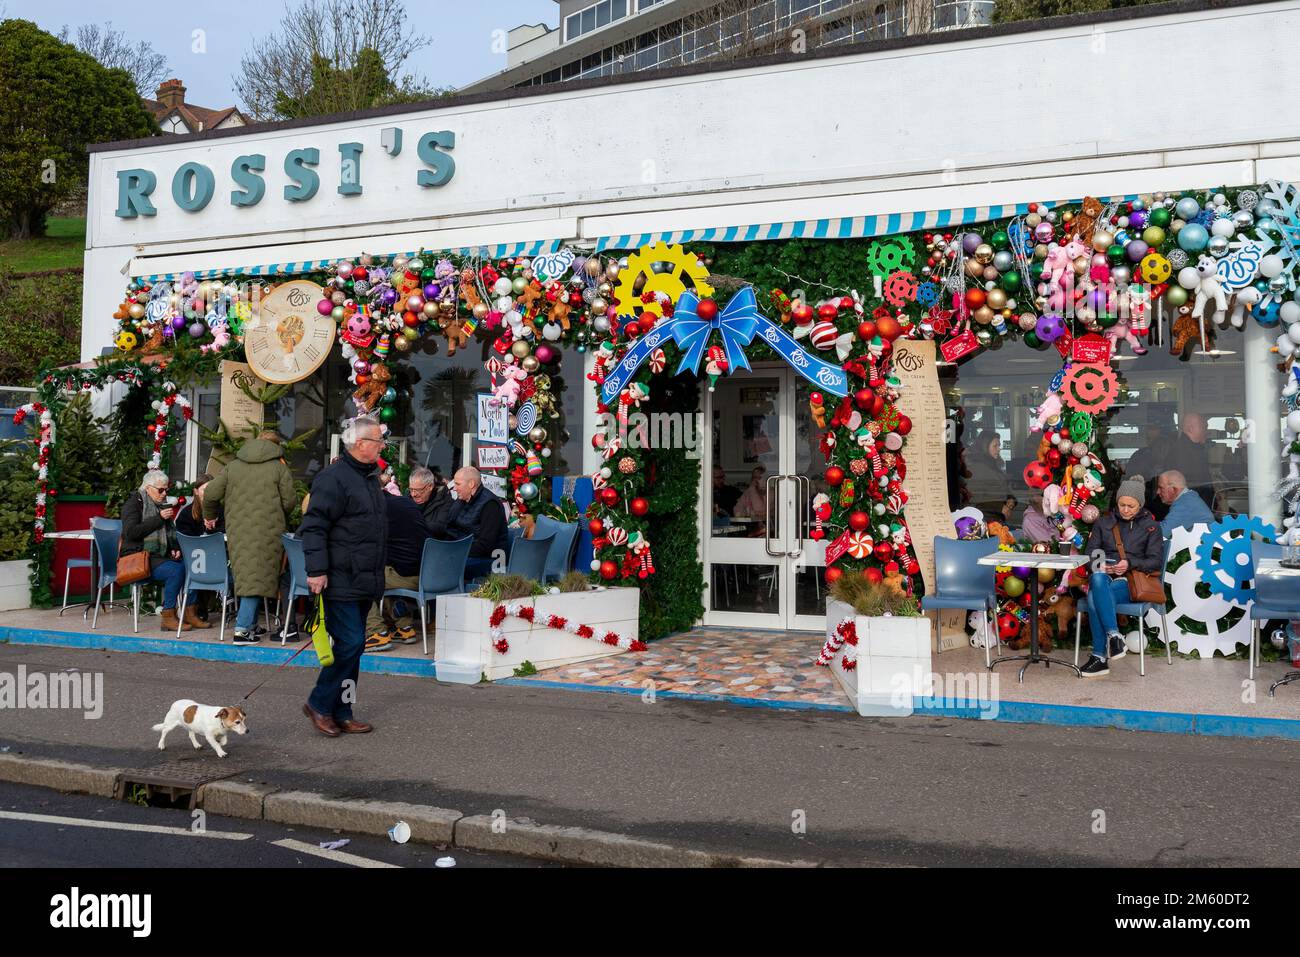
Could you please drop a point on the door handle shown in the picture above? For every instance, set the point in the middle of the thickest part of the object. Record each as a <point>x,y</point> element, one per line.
<point>767,514</point>
<point>803,486</point>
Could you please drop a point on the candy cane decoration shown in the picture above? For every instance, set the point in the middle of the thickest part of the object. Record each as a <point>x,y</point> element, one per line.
<point>846,632</point>
<point>528,613</point>
<point>42,463</point>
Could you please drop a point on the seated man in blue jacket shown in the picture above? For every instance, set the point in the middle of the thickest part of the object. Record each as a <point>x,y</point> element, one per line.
<point>1186,508</point>
<point>479,513</point>
<point>403,548</point>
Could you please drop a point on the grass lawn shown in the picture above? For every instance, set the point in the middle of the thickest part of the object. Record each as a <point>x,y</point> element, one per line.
<point>63,246</point>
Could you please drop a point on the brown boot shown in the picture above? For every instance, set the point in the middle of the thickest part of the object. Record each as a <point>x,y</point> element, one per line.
<point>170,621</point>
<point>193,620</point>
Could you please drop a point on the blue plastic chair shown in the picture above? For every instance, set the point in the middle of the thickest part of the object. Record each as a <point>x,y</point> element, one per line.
<point>442,572</point>
<point>204,557</point>
<point>528,556</point>
<point>297,578</point>
<point>1276,596</point>
<point>962,583</point>
<point>107,538</point>
<point>1137,610</point>
<point>559,560</point>
<point>79,563</point>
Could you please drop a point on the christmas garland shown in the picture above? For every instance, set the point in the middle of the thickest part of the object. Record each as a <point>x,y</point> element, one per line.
<point>846,633</point>
<point>163,408</point>
<point>528,613</point>
<point>42,463</point>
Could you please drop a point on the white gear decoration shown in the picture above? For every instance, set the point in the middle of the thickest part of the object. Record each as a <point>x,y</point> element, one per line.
<point>1182,586</point>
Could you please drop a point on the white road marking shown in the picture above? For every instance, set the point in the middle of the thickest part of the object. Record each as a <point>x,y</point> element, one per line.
<point>341,856</point>
<point>122,826</point>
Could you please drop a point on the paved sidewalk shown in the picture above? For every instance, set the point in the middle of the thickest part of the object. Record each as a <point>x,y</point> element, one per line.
<point>927,791</point>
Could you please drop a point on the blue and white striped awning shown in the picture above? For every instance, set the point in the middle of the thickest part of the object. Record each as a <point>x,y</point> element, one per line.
<point>501,251</point>
<point>843,227</point>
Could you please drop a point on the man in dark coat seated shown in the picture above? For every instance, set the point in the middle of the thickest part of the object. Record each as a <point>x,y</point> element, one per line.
<point>479,513</point>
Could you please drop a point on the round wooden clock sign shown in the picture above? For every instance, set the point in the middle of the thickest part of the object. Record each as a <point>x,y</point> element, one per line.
<point>287,339</point>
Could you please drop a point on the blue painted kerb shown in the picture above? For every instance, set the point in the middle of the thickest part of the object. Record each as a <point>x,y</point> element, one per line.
<point>1020,712</point>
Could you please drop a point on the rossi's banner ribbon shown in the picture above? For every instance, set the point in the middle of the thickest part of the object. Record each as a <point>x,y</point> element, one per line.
<point>738,324</point>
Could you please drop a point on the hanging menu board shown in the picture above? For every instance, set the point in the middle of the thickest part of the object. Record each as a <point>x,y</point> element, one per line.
<point>921,400</point>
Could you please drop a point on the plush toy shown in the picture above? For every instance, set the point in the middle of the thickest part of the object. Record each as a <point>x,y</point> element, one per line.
<point>367,396</point>
<point>1085,220</point>
<point>1091,485</point>
<point>1001,533</point>
<point>1186,331</point>
<point>508,389</point>
<point>1048,414</point>
<point>1056,612</point>
<point>152,334</point>
<point>1139,308</point>
<point>821,515</point>
<point>468,291</point>
<point>356,330</point>
<point>528,301</point>
<point>1245,299</point>
<point>455,333</point>
<point>1210,290</point>
<point>1123,331</point>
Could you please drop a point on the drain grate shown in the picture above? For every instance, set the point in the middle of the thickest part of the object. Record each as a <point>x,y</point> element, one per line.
<point>171,782</point>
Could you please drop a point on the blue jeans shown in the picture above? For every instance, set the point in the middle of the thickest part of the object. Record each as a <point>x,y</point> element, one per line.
<point>1104,593</point>
<point>246,617</point>
<point>172,575</point>
<point>346,623</point>
<point>477,567</point>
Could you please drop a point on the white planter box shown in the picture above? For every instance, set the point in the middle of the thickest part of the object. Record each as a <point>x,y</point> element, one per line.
<point>893,663</point>
<point>464,642</point>
<point>15,585</point>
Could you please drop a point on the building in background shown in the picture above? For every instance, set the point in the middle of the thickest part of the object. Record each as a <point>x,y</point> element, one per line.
<point>610,37</point>
<point>174,115</point>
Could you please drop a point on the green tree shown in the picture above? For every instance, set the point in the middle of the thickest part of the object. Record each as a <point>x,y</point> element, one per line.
<point>1008,11</point>
<point>336,89</point>
<point>54,100</point>
<point>40,320</point>
<point>81,448</point>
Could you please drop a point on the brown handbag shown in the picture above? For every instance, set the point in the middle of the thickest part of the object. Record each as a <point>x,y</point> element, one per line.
<point>133,568</point>
<point>1142,586</point>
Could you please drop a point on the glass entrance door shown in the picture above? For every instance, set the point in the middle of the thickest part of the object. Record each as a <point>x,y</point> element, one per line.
<point>760,456</point>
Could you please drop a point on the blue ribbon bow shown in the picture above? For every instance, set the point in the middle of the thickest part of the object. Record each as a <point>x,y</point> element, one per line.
<point>738,323</point>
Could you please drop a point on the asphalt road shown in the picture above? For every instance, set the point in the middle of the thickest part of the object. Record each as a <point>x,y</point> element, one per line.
<point>42,828</point>
<point>805,785</point>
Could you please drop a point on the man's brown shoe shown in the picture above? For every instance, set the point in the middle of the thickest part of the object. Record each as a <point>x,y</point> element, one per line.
<point>352,726</point>
<point>170,621</point>
<point>322,722</point>
<point>193,620</point>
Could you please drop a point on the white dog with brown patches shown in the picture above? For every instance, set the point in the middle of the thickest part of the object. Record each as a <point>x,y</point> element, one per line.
<point>211,722</point>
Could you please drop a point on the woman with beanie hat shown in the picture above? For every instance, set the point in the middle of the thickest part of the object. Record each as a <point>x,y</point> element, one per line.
<point>1144,549</point>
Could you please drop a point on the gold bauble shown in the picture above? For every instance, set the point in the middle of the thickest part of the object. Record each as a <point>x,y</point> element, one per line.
<point>593,267</point>
<point>983,315</point>
<point>997,299</point>
<point>519,349</point>
<point>1081,266</point>
<point>984,254</point>
<point>599,306</point>
<point>1032,220</point>
<point>481,310</point>
<point>135,311</point>
<point>605,289</point>
<point>529,364</point>
<point>431,309</point>
<point>537,436</point>
<point>402,344</point>
<point>974,269</point>
<point>1101,240</point>
<point>1040,251</point>
<point>611,271</point>
<point>1067,216</point>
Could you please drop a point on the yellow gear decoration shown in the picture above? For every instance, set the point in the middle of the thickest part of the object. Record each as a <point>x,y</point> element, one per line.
<point>687,273</point>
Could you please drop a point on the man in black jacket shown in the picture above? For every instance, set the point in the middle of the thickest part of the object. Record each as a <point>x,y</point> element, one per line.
<point>407,534</point>
<point>432,495</point>
<point>476,512</point>
<point>343,536</point>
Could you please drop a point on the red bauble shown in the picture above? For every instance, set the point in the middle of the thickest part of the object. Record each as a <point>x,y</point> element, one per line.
<point>888,328</point>
<point>904,425</point>
<point>802,314</point>
<point>706,309</point>
<point>884,551</point>
<point>858,521</point>
<point>609,496</point>
<point>632,330</point>
<point>975,298</point>
<point>862,398</point>
<point>834,475</point>
<point>866,330</point>
<point>595,526</point>
<point>872,575</point>
<point>877,406</point>
<point>1054,458</point>
<point>833,574</point>
<point>411,319</point>
<point>639,506</point>
<point>608,570</point>
<point>827,311</point>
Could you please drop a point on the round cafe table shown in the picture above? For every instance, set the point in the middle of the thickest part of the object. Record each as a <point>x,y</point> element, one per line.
<point>1034,561</point>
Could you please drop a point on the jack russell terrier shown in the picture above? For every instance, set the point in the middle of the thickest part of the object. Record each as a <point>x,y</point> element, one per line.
<point>213,723</point>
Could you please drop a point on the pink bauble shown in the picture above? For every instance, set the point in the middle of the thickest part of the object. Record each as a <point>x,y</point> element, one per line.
<point>325,307</point>
<point>546,354</point>
<point>361,367</point>
<point>1089,513</point>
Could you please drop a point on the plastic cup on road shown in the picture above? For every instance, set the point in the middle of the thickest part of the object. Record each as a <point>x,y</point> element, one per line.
<point>400,832</point>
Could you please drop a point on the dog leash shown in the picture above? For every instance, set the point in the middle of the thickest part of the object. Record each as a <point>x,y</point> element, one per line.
<point>304,647</point>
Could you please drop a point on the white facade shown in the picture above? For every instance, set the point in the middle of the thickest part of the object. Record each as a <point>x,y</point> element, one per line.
<point>828,137</point>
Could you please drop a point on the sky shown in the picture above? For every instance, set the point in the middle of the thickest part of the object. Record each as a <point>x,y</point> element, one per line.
<point>461,52</point>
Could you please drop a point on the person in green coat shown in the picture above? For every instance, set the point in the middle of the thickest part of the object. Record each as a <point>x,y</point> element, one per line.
<point>258,494</point>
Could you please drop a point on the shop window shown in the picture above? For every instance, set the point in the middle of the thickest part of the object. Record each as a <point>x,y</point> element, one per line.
<point>962,13</point>
<point>994,394</point>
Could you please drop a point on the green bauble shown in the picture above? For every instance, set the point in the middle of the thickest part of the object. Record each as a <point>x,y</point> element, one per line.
<point>999,240</point>
<point>1107,320</point>
<point>427,275</point>
<point>1032,340</point>
<point>1115,253</point>
<point>386,413</point>
<point>1010,282</point>
<point>1160,217</point>
<point>1036,269</point>
<point>1153,236</point>
<point>1176,296</point>
<point>1013,586</point>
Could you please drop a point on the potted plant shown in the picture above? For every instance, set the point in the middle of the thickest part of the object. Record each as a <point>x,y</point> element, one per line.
<point>877,645</point>
<point>510,619</point>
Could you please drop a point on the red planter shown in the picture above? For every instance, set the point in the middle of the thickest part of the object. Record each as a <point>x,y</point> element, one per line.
<point>72,513</point>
